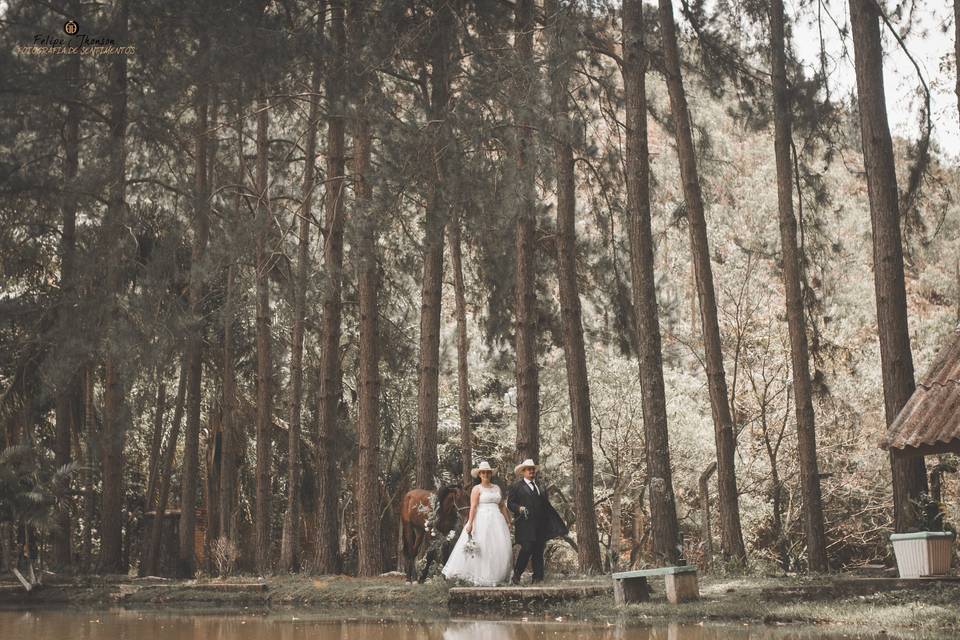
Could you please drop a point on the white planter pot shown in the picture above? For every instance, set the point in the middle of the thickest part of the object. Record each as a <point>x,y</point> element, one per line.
<point>925,553</point>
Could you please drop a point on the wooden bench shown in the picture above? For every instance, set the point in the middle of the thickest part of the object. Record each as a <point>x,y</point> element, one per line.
<point>631,586</point>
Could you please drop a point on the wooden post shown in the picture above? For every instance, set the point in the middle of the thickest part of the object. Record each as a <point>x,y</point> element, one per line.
<point>631,590</point>
<point>682,587</point>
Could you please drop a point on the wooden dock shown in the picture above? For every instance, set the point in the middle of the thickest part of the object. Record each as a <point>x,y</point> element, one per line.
<point>467,598</point>
<point>191,592</point>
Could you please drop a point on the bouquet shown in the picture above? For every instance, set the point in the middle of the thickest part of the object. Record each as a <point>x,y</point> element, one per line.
<point>471,548</point>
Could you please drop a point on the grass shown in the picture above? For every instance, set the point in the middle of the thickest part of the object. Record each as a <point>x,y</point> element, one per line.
<point>923,611</point>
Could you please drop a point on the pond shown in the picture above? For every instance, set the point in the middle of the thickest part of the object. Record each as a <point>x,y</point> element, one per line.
<point>132,625</point>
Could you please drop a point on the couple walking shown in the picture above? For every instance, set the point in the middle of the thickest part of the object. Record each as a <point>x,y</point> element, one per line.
<point>483,553</point>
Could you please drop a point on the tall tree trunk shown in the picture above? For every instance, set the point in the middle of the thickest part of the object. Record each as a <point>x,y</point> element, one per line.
<point>290,542</point>
<point>328,529</point>
<point>527,372</point>
<point>896,360</point>
<point>705,532</point>
<point>796,322</point>
<point>442,32</point>
<point>68,390</point>
<point>187,561</point>
<point>563,56</point>
<point>166,472</point>
<point>115,416</point>
<point>369,557</point>
<point>89,476</point>
<point>731,533</point>
<point>230,443</point>
<point>233,436</point>
<point>616,524</point>
<point>215,420</point>
<point>463,352</point>
<point>663,509</point>
<point>264,261</point>
<point>156,442</point>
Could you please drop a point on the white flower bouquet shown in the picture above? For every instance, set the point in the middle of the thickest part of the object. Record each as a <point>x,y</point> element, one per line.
<point>471,548</point>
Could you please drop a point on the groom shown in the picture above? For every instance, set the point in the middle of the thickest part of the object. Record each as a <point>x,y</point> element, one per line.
<point>534,520</point>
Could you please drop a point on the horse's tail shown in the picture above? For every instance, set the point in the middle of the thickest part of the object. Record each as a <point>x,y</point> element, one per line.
<point>405,535</point>
<point>406,529</point>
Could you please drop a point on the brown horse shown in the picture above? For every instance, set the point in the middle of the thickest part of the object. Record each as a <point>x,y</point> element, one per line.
<point>416,514</point>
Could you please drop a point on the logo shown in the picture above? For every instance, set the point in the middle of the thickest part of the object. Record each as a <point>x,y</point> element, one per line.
<point>77,43</point>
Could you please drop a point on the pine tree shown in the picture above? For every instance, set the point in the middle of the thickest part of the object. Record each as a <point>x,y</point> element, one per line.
<point>732,535</point>
<point>663,509</point>
<point>800,356</point>
<point>896,358</point>
<point>525,157</point>
<point>328,530</point>
<point>561,35</point>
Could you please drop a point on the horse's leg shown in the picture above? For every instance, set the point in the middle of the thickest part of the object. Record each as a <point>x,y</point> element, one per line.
<point>409,551</point>
<point>420,542</point>
<point>426,568</point>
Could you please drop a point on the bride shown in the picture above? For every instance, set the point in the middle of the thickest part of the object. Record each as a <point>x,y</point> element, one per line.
<point>483,554</point>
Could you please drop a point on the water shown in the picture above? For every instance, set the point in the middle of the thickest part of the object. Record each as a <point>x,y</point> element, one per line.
<point>132,625</point>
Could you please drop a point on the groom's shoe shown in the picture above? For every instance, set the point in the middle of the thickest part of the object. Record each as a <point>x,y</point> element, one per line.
<point>515,580</point>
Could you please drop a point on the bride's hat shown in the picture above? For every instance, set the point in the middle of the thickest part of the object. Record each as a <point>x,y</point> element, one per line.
<point>523,465</point>
<point>484,466</point>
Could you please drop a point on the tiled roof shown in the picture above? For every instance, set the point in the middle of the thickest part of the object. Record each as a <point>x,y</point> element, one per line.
<point>930,421</point>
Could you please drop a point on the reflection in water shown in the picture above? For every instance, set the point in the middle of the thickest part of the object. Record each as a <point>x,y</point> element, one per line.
<point>130,625</point>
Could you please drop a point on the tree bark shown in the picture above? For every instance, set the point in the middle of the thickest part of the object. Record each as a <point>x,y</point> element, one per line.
<point>90,462</point>
<point>166,472</point>
<point>616,524</point>
<point>231,442</point>
<point>578,388</point>
<point>187,561</point>
<point>328,530</point>
<point>212,457</point>
<point>116,416</point>
<point>68,388</point>
<point>234,437</point>
<point>731,533</point>
<point>796,322</point>
<point>663,510</point>
<point>463,353</point>
<point>527,372</point>
<point>290,541</point>
<point>436,218</point>
<point>705,533</point>
<point>156,442</point>
<point>264,259</point>
<point>896,360</point>
<point>369,558</point>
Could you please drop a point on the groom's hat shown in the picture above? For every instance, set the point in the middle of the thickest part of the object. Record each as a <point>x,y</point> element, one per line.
<point>523,465</point>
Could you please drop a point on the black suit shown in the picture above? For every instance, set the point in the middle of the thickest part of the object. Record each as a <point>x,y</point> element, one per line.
<point>532,530</point>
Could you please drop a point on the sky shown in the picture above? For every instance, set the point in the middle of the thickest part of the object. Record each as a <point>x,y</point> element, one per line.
<point>927,43</point>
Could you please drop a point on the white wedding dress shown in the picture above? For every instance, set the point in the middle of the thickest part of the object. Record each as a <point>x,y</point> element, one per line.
<point>491,563</point>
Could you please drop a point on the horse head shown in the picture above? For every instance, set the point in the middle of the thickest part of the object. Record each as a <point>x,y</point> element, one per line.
<point>453,504</point>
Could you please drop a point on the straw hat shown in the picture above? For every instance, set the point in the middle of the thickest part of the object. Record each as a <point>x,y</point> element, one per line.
<point>523,465</point>
<point>484,466</point>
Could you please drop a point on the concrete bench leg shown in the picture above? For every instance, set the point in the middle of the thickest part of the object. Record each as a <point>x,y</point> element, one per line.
<point>682,587</point>
<point>631,590</point>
